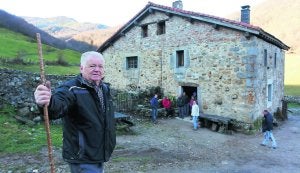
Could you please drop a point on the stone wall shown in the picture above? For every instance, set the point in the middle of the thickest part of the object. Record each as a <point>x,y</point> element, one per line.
<point>292,99</point>
<point>17,88</point>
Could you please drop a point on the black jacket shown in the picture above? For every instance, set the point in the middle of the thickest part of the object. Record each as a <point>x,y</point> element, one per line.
<point>88,131</point>
<point>267,124</point>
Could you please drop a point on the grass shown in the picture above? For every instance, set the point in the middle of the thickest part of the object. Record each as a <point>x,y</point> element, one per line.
<point>20,52</point>
<point>293,105</point>
<point>20,138</point>
<point>292,90</point>
<point>55,70</point>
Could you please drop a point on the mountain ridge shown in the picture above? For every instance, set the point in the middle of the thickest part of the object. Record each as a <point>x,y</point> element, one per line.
<point>67,29</point>
<point>20,25</point>
<point>63,27</point>
<point>281,20</point>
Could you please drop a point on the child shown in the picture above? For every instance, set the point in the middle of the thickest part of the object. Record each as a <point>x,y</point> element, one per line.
<point>195,114</point>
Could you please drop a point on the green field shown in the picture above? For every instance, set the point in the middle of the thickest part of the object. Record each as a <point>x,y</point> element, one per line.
<point>292,90</point>
<point>20,52</point>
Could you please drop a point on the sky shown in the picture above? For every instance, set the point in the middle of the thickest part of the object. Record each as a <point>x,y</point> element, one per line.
<point>113,12</point>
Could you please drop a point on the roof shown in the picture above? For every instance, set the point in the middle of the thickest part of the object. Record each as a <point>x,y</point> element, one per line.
<point>248,29</point>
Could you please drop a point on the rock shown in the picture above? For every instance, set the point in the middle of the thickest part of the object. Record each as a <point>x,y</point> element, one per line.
<point>24,111</point>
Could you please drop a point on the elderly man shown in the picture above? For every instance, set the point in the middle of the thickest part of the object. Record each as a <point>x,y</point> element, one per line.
<point>85,105</point>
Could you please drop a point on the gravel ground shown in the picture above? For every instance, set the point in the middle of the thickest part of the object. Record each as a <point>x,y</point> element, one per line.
<point>172,146</point>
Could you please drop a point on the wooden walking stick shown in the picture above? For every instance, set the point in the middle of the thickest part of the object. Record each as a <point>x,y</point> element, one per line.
<point>45,108</point>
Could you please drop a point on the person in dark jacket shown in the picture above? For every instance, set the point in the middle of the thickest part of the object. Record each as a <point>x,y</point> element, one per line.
<point>154,107</point>
<point>267,127</point>
<point>181,108</point>
<point>86,108</point>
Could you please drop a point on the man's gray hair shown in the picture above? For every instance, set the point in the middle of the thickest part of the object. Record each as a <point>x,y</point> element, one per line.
<point>85,56</point>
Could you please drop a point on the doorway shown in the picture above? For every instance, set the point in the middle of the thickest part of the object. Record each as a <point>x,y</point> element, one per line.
<point>189,91</point>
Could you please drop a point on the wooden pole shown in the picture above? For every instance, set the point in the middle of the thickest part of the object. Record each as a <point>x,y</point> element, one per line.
<point>45,108</point>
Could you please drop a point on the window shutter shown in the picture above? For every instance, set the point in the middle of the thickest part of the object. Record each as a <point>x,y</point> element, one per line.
<point>173,60</point>
<point>186,58</point>
<point>125,64</point>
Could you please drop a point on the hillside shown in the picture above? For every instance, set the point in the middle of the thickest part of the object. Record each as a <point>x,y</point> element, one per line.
<point>63,27</point>
<point>282,20</point>
<point>69,29</point>
<point>279,18</point>
<point>18,24</point>
<point>19,52</point>
<point>96,37</point>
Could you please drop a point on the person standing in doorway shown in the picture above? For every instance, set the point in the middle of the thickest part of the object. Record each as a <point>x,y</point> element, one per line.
<point>191,102</point>
<point>267,127</point>
<point>186,104</point>
<point>180,104</point>
<point>154,107</point>
<point>86,108</point>
<point>195,114</point>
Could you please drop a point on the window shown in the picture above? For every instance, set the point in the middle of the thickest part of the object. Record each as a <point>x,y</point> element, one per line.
<point>269,92</point>
<point>132,62</point>
<point>145,31</point>
<point>180,58</point>
<point>265,58</point>
<point>275,60</point>
<point>161,28</point>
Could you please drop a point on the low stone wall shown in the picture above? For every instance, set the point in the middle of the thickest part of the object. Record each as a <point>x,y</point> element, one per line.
<point>17,88</point>
<point>292,99</point>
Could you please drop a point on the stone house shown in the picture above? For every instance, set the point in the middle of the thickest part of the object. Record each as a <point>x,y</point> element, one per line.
<point>236,69</point>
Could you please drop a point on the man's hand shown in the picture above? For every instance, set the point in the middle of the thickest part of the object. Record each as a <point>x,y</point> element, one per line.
<point>42,94</point>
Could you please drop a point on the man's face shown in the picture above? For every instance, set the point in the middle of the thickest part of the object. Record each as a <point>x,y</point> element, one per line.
<point>93,70</point>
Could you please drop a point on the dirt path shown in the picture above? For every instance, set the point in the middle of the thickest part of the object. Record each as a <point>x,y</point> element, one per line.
<point>171,146</point>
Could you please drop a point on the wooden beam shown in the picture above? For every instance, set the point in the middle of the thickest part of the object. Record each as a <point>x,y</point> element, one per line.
<point>136,23</point>
<point>216,26</point>
<point>150,10</point>
<point>191,20</point>
<point>247,35</point>
<point>122,34</point>
<point>169,14</point>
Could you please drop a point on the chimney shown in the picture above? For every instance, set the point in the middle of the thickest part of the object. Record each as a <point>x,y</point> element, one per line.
<point>177,4</point>
<point>245,14</point>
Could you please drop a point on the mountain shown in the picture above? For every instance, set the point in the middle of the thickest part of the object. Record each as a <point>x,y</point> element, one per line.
<point>279,18</point>
<point>18,24</point>
<point>96,37</point>
<point>62,27</point>
<point>71,30</point>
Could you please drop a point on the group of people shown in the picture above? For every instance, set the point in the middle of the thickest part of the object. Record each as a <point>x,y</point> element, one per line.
<point>86,108</point>
<point>185,105</point>
<point>154,103</point>
<point>189,107</point>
